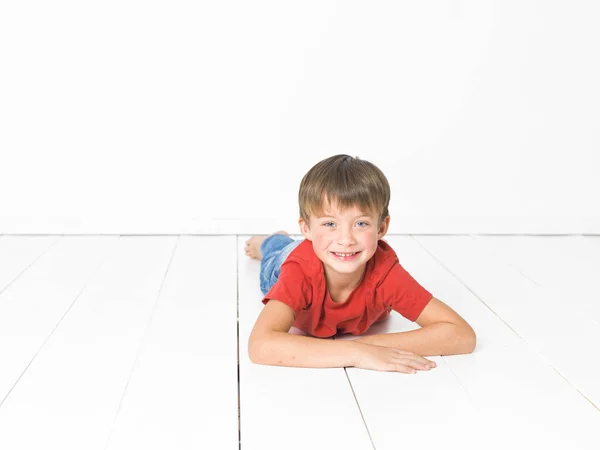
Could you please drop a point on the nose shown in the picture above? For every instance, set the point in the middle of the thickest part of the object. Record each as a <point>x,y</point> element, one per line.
<point>345,237</point>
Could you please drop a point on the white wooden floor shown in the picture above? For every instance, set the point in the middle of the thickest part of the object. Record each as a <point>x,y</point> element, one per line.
<point>111,342</point>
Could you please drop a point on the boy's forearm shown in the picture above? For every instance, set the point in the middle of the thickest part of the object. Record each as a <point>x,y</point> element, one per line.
<point>284,349</point>
<point>434,340</point>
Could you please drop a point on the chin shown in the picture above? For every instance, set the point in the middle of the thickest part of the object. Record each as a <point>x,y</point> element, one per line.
<point>346,270</point>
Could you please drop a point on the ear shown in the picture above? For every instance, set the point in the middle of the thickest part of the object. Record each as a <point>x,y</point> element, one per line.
<point>305,229</point>
<point>383,228</point>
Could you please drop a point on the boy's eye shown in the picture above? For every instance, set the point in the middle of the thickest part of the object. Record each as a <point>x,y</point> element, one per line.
<point>361,224</point>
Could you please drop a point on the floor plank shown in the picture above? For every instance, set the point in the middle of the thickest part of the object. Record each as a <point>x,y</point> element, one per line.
<point>531,313</point>
<point>53,272</point>
<point>568,265</point>
<point>17,253</point>
<point>291,408</point>
<point>69,396</point>
<point>182,393</point>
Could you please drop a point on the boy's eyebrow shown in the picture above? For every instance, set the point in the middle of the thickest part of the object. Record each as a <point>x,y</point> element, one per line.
<point>330,215</point>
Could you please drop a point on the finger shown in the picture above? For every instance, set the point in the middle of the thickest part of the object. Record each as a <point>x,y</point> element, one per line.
<point>418,365</point>
<point>416,357</point>
<point>424,361</point>
<point>398,367</point>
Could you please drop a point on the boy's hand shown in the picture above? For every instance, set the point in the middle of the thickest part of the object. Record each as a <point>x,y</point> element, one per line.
<point>388,359</point>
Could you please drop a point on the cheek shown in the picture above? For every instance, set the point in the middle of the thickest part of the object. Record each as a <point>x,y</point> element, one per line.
<point>372,245</point>
<point>369,241</point>
<point>321,240</point>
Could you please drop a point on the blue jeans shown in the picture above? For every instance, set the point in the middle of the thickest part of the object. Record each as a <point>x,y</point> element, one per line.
<point>274,250</point>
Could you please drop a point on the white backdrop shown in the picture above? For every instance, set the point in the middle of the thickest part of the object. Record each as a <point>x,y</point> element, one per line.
<point>202,116</point>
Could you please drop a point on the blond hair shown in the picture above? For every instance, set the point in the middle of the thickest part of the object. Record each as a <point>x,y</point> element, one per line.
<point>344,181</point>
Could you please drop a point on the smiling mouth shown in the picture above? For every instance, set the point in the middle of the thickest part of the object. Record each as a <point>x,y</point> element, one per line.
<point>345,256</point>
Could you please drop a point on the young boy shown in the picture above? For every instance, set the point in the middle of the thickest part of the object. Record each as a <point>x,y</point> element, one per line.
<point>343,278</point>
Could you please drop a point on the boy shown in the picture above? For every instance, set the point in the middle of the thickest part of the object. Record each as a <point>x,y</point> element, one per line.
<point>343,278</point>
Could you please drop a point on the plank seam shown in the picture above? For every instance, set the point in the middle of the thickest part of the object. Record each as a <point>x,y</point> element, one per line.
<point>31,264</point>
<point>359,410</point>
<point>139,350</point>
<point>460,383</point>
<point>58,323</point>
<point>237,261</point>
<point>503,257</point>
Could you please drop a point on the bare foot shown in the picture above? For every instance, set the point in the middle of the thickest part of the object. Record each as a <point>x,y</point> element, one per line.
<point>253,245</point>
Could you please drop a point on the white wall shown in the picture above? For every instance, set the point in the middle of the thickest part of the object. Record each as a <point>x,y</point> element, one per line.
<point>202,116</point>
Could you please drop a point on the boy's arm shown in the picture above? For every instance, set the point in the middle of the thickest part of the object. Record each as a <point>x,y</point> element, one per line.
<point>443,332</point>
<point>271,344</point>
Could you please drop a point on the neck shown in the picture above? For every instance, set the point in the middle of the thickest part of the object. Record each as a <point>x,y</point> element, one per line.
<point>344,281</point>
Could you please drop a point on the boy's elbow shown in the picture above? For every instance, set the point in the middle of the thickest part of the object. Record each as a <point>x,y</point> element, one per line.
<point>469,339</point>
<point>256,350</point>
<point>253,350</point>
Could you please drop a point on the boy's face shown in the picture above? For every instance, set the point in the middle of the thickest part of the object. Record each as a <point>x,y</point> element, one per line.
<point>352,232</point>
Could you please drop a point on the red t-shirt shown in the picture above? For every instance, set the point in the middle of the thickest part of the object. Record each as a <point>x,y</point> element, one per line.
<point>386,285</point>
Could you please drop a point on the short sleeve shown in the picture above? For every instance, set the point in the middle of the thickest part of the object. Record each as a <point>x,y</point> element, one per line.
<point>291,287</point>
<point>403,293</point>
